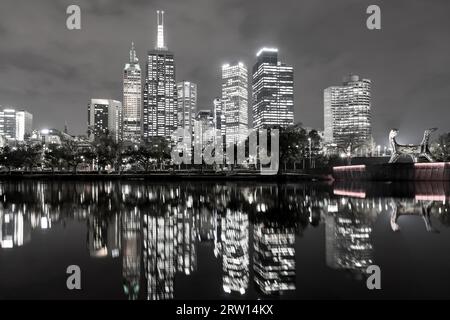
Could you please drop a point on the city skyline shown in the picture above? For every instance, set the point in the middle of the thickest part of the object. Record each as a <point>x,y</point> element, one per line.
<point>411,79</point>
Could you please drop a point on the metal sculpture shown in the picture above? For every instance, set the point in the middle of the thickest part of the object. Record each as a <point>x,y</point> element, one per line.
<point>411,150</point>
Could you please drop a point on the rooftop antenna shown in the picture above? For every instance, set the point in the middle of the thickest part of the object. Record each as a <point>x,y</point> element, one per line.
<point>160,40</point>
<point>133,57</point>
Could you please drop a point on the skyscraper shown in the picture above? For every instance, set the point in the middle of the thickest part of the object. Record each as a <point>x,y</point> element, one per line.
<point>347,114</point>
<point>104,117</point>
<point>273,91</point>
<point>219,118</point>
<point>15,124</point>
<point>132,98</point>
<point>235,101</point>
<point>187,105</point>
<point>160,91</point>
<point>204,127</point>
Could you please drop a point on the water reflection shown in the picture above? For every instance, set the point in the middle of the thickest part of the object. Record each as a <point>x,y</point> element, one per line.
<point>252,229</point>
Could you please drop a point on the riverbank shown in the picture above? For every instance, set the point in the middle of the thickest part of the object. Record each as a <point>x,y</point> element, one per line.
<point>164,176</point>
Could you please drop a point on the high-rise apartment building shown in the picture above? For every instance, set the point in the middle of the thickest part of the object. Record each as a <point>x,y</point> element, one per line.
<point>187,105</point>
<point>347,114</point>
<point>273,91</point>
<point>104,117</point>
<point>235,101</point>
<point>160,118</point>
<point>132,99</point>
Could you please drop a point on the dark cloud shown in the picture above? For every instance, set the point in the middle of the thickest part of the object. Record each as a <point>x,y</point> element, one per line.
<point>53,72</point>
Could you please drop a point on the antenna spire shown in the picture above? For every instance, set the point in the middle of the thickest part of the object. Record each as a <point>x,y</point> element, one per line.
<point>133,57</point>
<point>160,41</point>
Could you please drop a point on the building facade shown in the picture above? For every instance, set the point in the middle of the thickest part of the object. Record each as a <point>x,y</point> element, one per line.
<point>347,115</point>
<point>204,128</point>
<point>104,118</point>
<point>15,125</point>
<point>219,118</point>
<point>235,102</point>
<point>132,99</point>
<point>160,118</point>
<point>273,91</point>
<point>187,105</point>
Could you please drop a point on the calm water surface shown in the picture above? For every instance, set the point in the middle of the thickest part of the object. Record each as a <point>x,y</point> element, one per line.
<point>140,240</point>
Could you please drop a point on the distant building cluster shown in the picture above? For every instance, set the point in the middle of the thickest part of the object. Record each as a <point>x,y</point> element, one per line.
<point>156,105</point>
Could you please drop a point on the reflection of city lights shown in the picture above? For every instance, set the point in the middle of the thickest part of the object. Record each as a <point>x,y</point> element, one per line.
<point>44,223</point>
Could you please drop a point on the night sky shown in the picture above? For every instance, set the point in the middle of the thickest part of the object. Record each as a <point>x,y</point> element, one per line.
<point>53,72</point>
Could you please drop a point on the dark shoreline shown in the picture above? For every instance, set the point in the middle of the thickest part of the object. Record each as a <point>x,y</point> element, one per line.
<point>163,176</point>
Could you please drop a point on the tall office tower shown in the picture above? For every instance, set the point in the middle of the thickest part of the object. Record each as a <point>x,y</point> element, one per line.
<point>15,124</point>
<point>132,99</point>
<point>347,113</point>
<point>274,258</point>
<point>160,90</point>
<point>104,117</point>
<point>204,128</point>
<point>235,102</point>
<point>219,118</point>
<point>273,91</point>
<point>187,105</point>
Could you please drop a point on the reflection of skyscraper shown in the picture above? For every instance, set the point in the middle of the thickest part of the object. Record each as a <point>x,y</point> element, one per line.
<point>186,236</point>
<point>159,256</point>
<point>348,238</point>
<point>131,253</point>
<point>206,224</point>
<point>104,236</point>
<point>274,258</point>
<point>235,255</point>
<point>15,230</point>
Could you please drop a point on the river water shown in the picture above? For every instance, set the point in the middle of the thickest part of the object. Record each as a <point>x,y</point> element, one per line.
<point>233,240</point>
